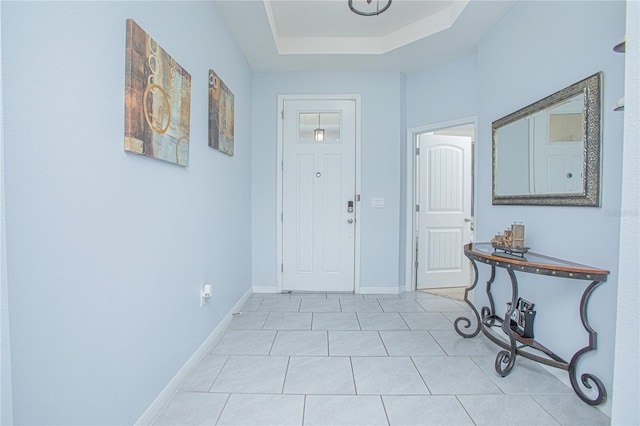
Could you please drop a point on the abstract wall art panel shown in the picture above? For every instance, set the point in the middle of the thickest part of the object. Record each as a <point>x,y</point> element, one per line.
<point>157,100</point>
<point>220,115</point>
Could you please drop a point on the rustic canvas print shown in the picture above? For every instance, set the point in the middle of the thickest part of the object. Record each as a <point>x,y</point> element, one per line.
<point>220,115</point>
<point>157,100</point>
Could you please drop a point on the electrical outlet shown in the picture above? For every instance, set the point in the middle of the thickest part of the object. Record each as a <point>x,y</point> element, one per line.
<point>205,294</point>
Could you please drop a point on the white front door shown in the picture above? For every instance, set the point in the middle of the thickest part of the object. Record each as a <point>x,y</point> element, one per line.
<point>444,217</point>
<point>318,195</point>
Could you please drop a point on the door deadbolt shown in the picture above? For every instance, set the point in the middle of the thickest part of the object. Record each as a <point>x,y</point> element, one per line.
<point>350,207</point>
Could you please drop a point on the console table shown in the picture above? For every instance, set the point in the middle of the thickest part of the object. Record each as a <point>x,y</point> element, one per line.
<point>513,343</point>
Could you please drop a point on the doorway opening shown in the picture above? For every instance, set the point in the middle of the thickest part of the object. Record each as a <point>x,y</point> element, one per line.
<point>440,206</point>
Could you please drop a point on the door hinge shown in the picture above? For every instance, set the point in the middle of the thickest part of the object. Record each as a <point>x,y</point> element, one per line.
<point>417,151</point>
<point>417,264</point>
<point>281,164</point>
<point>282,114</point>
<point>357,197</point>
<point>417,207</point>
<point>281,216</point>
<point>282,267</point>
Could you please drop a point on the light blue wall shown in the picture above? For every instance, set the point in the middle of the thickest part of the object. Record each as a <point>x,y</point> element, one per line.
<point>107,250</point>
<point>382,130</point>
<point>517,63</point>
<point>444,93</point>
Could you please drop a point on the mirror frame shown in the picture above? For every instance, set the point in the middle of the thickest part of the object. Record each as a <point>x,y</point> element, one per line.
<point>591,87</point>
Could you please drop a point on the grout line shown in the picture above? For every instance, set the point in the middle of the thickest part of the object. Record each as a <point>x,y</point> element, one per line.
<point>383,344</point>
<point>405,321</point>
<point>223,407</point>
<point>304,407</point>
<point>358,320</point>
<point>421,376</point>
<point>286,373</point>
<point>384,408</point>
<point>327,337</point>
<point>265,321</point>
<point>533,396</point>
<point>465,410</point>
<point>273,342</point>
<point>438,343</point>
<point>219,371</point>
<point>353,376</point>
<point>328,344</point>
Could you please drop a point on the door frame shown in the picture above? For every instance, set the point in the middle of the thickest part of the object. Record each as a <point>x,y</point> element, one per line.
<point>279,168</point>
<point>410,195</point>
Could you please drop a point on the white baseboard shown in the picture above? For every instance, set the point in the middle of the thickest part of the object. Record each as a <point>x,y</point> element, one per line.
<point>265,289</point>
<point>361,290</point>
<point>379,290</point>
<point>174,384</point>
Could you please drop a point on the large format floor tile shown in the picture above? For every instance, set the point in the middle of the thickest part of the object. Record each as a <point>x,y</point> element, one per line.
<point>302,343</point>
<point>260,409</point>
<point>288,321</point>
<point>335,321</point>
<point>454,376</point>
<point>353,359</point>
<point>320,375</point>
<point>410,343</point>
<point>245,342</point>
<point>381,321</point>
<point>428,410</point>
<point>356,343</point>
<point>426,321</point>
<point>344,410</point>
<point>203,375</point>
<point>320,305</point>
<point>192,408</point>
<point>497,410</point>
<point>248,320</point>
<point>252,374</point>
<point>387,376</point>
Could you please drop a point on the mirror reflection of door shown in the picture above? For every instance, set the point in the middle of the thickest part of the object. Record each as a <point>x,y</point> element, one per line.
<point>444,194</point>
<point>558,149</point>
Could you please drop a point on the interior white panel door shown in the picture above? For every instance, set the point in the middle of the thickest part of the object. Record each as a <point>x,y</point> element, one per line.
<point>444,219</point>
<point>318,225</point>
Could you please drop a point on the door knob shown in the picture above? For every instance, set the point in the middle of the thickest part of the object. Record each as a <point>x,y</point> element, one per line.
<point>467,219</point>
<point>349,220</point>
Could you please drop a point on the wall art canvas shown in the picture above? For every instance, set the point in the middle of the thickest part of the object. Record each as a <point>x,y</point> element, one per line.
<point>157,100</point>
<point>220,115</point>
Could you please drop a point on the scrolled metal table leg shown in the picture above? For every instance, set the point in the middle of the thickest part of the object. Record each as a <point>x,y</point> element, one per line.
<point>506,359</point>
<point>587,379</point>
<point>466,321</point>
<point>492,307</point>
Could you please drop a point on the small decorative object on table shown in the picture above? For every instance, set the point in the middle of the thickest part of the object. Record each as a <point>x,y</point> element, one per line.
<point>511,242</point>
<point>522,318</point>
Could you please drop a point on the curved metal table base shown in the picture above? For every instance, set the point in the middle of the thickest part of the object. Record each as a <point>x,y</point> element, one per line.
<point>506,358</point>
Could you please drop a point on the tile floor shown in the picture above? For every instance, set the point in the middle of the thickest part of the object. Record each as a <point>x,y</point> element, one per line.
<point>339,359</point>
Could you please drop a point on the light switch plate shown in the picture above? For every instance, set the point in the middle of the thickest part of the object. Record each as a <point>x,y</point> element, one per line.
<point>377,203</point>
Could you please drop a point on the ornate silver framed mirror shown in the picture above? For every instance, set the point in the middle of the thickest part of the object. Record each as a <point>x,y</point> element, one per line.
<point>548,153</point>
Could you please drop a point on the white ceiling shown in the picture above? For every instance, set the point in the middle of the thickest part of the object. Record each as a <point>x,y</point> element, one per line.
<point>312,35</point>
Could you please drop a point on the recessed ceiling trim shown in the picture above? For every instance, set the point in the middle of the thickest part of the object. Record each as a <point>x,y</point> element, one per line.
<point>272,23</point>
<point>423,28</point>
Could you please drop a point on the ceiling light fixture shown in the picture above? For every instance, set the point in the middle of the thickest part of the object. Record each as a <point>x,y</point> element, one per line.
<point>378,11</point>
<point>318,134</point>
